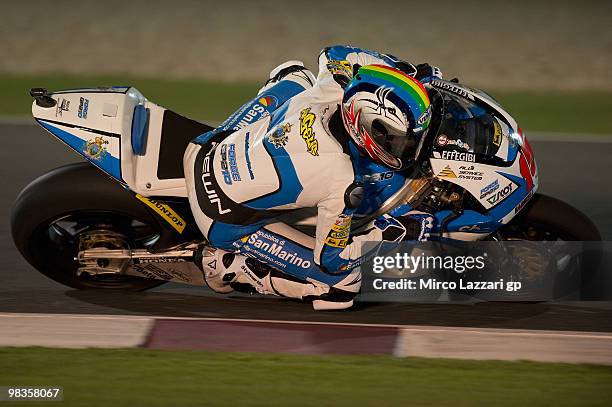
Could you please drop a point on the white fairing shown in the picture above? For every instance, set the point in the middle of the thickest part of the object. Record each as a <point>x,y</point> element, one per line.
<point>97,123</point>
<point>475,177</point>
<point>490,178</point>
<point>457,167</point>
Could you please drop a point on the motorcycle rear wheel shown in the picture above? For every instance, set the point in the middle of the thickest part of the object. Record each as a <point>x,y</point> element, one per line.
<point>70,206</point>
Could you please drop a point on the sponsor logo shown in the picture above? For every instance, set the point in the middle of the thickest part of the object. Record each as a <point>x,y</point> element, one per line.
<point>523,202</point>
<point>95,148</point>
<point>338,242</point>
<point>470,173</point>
<point>271,246</point>
<point>337,67</point>
<point>252,276</point>
<point>166,212</point>
<point>489,189</point>
<point>339,233</point>
<point>152,271</point>
<point>497,133</point>
<point>459,143</point>
<point>501,194</point>
<point>161,260</point>
<point>267,101</point>
<point>452,88</point>
<point>229,166</point>
<point>211,194</point>
<point>307,119</point>
<point>83,108</point>
<point>233,165</point>
<point>62,106</point>
<point>246,155</point>
<point>458,156</point>
<point>224,170</point>
<point>381,176</point>
<point>424,119</point>
<point>447,173</point>
<point>252,112</point>
<point>443,140</point>
<point>278,136</point>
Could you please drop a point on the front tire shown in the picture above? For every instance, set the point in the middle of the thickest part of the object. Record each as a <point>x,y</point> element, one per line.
<point>56,213</point>
<point>547,219</point>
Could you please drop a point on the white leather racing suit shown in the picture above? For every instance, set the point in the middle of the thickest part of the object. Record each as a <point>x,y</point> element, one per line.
<point>284,152</point>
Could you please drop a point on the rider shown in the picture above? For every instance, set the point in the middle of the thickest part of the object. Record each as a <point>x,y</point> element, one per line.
<point>307,142</point>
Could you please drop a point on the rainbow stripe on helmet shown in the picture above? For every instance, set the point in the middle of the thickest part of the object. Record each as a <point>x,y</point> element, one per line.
<point>410,89</point>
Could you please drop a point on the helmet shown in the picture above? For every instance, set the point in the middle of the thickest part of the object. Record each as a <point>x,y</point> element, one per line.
<point>387,113</point>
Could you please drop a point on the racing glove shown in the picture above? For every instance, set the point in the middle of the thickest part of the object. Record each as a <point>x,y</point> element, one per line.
<point>417,224</point>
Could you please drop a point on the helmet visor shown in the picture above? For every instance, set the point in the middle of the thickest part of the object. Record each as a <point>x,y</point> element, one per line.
<point>400,144</point>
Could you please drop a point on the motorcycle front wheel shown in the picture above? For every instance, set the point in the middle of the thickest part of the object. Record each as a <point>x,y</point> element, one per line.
<point>547,224</point>
<point>545,218</point>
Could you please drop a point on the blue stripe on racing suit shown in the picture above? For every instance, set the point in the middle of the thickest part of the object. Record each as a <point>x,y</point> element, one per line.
<point>227,236</point>
<point>287,256</point>
<point>290,186</point>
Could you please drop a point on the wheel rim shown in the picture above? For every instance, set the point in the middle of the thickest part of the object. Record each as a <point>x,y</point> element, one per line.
<point>58,241</point>
<point>566,276</point>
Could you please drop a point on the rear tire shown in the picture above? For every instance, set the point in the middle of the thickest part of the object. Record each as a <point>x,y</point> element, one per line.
<point>54,212</point>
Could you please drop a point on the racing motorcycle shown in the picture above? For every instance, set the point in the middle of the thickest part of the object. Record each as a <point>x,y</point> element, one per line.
<point>121,219</point>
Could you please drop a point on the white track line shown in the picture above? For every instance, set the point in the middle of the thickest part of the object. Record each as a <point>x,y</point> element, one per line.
<point>415,328</point>
<point>70,331</point>
<point>109,331</point>
<point>489,345</point>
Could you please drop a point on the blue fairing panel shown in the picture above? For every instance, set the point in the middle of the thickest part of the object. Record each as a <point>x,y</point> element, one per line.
<point>140,124</point>
<point>106,162</point>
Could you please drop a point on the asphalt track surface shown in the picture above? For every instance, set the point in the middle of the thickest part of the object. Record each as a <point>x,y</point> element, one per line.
<point>576,172</point>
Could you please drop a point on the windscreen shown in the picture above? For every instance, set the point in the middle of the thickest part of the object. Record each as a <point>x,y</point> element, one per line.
<point>467,126</point>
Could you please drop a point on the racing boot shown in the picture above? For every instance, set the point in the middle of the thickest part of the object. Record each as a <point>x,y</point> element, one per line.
<point>225,272</point>
<point>340,295</point>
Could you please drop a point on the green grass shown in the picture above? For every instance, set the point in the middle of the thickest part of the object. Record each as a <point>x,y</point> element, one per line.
<point>566,112</point>
<point>196,99</point>
<point>95,377</point>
